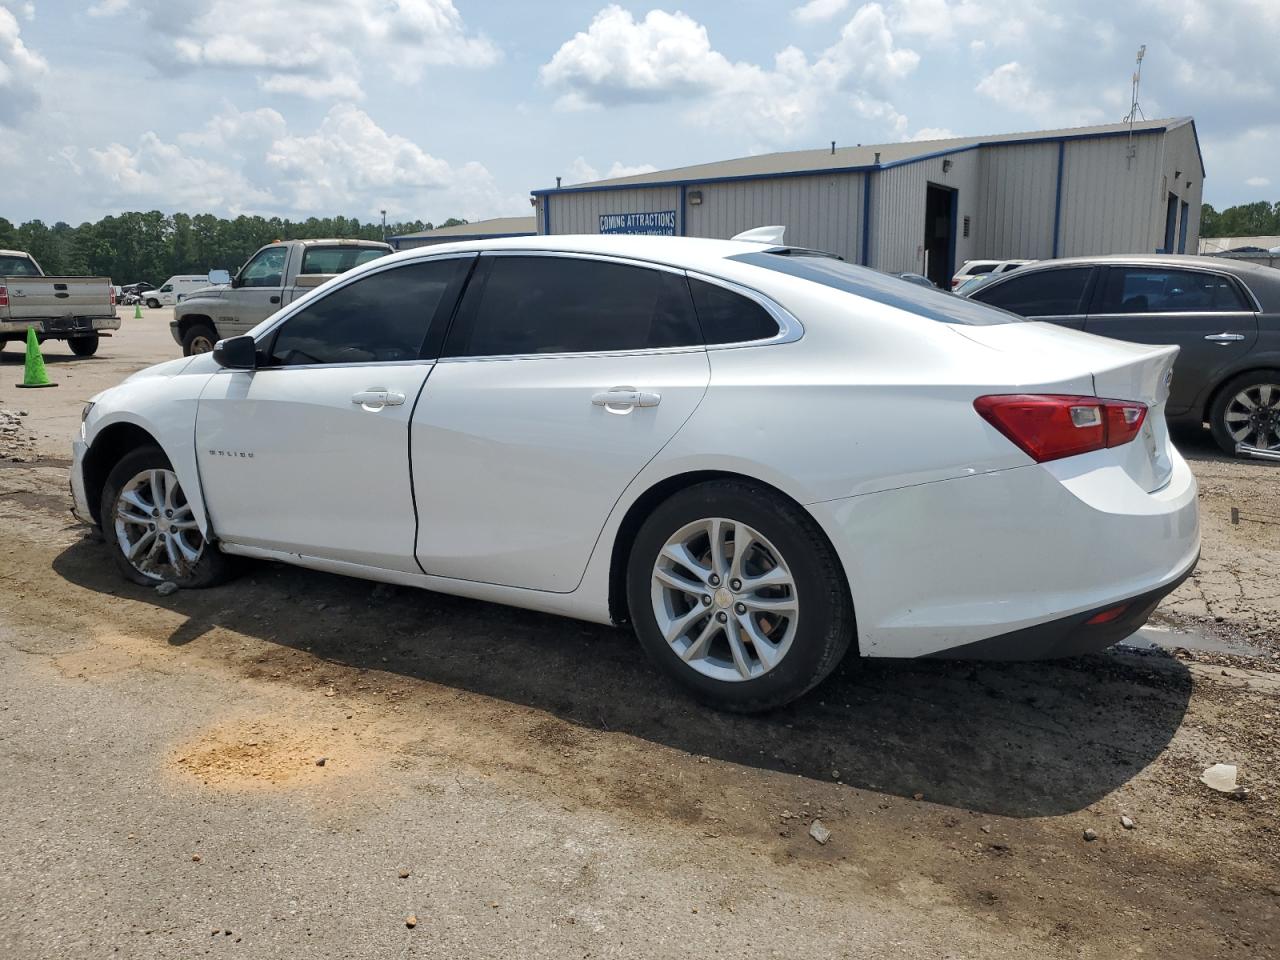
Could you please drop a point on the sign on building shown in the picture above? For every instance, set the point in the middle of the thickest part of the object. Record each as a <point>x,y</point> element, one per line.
<point>660,223</point>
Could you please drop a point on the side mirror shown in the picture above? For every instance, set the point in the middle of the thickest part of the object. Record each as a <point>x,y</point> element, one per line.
<point>236,353</point>
<point>219,277</point>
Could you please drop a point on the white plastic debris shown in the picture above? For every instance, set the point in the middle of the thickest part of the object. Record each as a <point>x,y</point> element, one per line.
<point>1220,777</point>
<point>818,830</point>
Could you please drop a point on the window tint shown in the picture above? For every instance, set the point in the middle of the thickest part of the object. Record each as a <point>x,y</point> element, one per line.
<point>728,317</point>
<point>1156,290</point>
<point>264,270</point>
<point>566,305</point>
<point>1044,293</point>
<point>980,268</point>
<point>338,259</point>
<point>17,267</point>
<point>379,318</point>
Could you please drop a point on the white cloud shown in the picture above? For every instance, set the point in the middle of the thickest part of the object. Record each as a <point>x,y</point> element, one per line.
<point>818,10</point>
<point>108,8</point>
<point>161,174</point>
<point>238,132</point>
<point>668,57</point>
<point>933,133</point>
<point>1258,182</point>
<point>580,171</point>
<point>1010,86</point>
<point>325,47</point>
<point>21,68</point>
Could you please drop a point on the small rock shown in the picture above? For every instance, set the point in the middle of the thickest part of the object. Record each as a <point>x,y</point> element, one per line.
<point>404,873</point>
<point>819,831</point>
<point>1090,835</point>
<point>22,413</point>
<point>1127,823</point>
<point>321,761</point>
<point>195,858</point>
<point>167,588</point>
<point>1240,793</point>
<point>985,829</point>
<point>331,692</point>
<point>411,921</point>
<point>917,796</point>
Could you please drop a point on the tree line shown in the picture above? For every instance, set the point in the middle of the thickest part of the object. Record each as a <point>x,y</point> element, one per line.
<point>153,246</point>
<point>1259,219</point>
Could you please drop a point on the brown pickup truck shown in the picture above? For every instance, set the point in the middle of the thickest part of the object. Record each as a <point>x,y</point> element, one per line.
<point>76,309</point>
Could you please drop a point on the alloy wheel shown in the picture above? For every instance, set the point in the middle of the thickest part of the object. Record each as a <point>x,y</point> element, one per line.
<point>155,527</point>
<point>725,599</point>
<point>1253,416</point>
<point>201,344</point>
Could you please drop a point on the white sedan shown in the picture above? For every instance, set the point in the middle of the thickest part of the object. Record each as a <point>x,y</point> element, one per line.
<point>753,454</point>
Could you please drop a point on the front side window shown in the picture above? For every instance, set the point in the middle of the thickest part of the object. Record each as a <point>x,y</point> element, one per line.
<point>338,259</point>
<point>1044,293</point>
<point>1158,290</point>
<point>167,288</point>
<point>265,270</point>
<point>532,305</point>
<point>380,318</point>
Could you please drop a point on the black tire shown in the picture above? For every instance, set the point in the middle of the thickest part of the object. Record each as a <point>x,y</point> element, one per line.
<point>1222,401</point>
<point>825,626</point>
<point>84,346</point>
<point>197,335</point>
<point>153,304</point>
<point>213,566</point>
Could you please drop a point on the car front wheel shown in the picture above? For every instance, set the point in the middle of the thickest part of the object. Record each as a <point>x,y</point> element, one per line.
<point>150,527</point>
<point>1247,410</point>
<point>735,592</point>
<point>199,338</point>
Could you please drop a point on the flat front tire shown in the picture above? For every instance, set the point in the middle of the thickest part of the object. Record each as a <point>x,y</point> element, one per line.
<point>150,528</point>
<point>736,593</point>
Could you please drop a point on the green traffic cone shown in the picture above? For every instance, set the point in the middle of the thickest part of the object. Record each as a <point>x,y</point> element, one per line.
<point>137,311</point>
<point>34,373</point>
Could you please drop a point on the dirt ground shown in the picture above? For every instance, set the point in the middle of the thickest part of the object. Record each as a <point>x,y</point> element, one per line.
<point>526,786</point>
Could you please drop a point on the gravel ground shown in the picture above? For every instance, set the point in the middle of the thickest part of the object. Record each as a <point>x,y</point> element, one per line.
<point>522,785</point>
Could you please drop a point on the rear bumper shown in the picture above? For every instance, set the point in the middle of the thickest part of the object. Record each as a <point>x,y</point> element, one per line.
<point>1069,636</point>
<point>1019,557</point>
<point>59,328</point>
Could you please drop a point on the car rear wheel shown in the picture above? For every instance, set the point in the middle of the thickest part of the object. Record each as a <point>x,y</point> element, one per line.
<point>199,338</point>
<point>736,593</point>
<point>150,527</point>
<point>1247,410</point>
<point>84,346</point>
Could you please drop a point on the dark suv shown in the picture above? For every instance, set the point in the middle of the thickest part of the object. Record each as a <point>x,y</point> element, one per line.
<point>1224,314</point>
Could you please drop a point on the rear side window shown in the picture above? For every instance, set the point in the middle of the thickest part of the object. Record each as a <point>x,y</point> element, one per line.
<point>380,318</point>
<point>1155,290</point>
<point>532,305</point>
<point>728,317</point>
<point>338,259</point>
<point>18,267</point>
<point>1044,293</point>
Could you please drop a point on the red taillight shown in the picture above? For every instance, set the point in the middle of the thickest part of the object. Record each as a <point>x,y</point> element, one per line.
<point>112,288</point>
<point>4,295</point>
<point>1106,616</point>
<point>1050,427</point>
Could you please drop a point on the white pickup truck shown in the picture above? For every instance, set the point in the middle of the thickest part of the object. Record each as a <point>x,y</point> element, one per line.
<point>275,275</point>
<point>76,309</point>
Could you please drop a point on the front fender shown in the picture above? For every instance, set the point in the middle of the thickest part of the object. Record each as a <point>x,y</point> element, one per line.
<point>165,407</point>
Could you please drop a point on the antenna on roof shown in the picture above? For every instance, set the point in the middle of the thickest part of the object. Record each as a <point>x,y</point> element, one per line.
<point>1135,110</point>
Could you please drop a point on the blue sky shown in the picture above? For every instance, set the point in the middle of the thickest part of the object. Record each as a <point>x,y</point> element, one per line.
<point>432,108</point>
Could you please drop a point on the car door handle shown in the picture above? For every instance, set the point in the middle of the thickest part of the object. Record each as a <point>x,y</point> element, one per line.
<point>625,397</point>
<point>1224,338</point>
<point>378,399</point>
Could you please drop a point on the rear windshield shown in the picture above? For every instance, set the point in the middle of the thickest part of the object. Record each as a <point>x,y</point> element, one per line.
<point>882,288</point>
<point>338,259</point>
<point>18,267</point>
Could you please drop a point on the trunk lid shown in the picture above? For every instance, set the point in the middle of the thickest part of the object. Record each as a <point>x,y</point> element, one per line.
<point>1120,371</point>
<point>59,299</point>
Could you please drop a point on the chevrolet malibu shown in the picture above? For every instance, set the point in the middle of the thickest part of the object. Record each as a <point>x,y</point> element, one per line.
<point>755,455</point>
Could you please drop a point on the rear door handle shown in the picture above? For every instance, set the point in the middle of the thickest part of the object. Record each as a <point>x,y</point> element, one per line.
<point>1224,338</point>
<point>377,399</point>
<point>625,398</point>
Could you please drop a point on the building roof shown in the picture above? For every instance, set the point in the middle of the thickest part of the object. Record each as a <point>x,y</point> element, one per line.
<point>861,157</point>
<point>497,227</point>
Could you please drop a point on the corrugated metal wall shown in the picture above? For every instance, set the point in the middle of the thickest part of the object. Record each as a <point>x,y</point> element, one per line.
<point>897,209</point>
<point>580,212</point>
<point>824,213</point>
<point>1108,199</point>
<point>1181,164</point>
<point>1017,185</point>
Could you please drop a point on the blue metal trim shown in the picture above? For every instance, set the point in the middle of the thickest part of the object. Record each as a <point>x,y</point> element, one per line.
<point>1057,199</point>
<point>865,254</point>
<point>459,237</point>
<point>684,206</point>
<point>830,171</point>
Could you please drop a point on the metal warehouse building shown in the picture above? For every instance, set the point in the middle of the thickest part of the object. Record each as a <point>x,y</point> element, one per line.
<point>924,206</point>
<point>479,230</point>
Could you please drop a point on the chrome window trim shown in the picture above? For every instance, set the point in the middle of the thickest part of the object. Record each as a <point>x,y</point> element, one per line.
<point>1174,313</point>
<point>579,355</point>
<point>332,366</point>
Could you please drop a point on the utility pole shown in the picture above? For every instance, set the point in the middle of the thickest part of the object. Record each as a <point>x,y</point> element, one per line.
<point>384,226</point>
